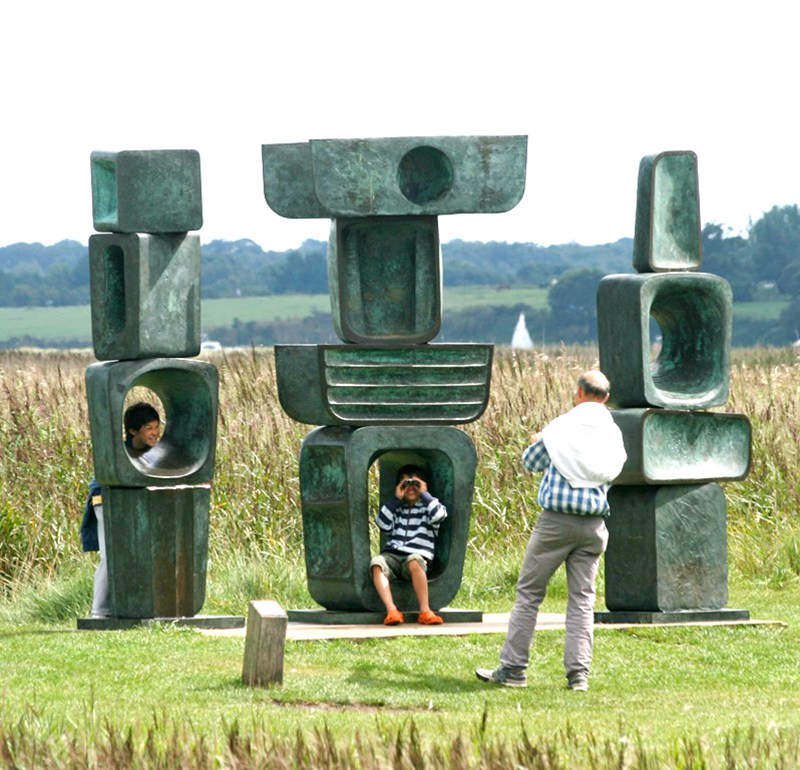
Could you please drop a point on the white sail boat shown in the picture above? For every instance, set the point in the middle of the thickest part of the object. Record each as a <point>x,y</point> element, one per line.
<point>521,339</point>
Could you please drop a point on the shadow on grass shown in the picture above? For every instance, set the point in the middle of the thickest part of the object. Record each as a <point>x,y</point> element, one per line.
<point>375,675</point>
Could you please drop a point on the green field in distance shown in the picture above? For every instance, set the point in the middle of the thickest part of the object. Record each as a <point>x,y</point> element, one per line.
<point>56,324</point>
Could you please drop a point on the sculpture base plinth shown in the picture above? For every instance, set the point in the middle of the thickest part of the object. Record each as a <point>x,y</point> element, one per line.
<point>197,621</point>
<point>678,616</point>
<point>338,618</point>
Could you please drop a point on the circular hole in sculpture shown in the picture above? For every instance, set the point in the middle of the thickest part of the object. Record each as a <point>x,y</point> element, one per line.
<point>184,404</point>
<point>424,175</point>
<point>143,421</point>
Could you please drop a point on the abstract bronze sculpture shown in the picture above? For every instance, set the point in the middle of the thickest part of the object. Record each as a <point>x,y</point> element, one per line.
<point>386,395</point>
<point>145,323</point>
<point>667,552</point>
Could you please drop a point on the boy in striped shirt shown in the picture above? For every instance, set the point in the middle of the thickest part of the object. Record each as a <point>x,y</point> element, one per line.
<point>411,518</point>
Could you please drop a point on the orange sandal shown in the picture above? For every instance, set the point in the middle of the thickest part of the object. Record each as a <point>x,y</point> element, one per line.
<point>393,618</point>
<point>429,618</point>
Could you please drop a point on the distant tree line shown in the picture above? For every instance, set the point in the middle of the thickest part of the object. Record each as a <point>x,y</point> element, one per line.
<point>34,275</point>
<point>763,265</point>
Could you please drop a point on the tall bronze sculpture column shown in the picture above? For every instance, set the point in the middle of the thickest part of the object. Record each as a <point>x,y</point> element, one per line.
<point>667,552</point>
<point>145,294</point>
<point>385,395</point>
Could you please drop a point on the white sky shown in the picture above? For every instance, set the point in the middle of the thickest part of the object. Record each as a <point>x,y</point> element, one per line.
<point>594,84</point>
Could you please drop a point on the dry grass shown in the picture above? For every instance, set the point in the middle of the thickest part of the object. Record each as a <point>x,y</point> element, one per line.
<point>45,459</point>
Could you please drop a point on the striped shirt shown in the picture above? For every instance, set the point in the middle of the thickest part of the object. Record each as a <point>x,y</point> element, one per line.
<point>555,493</point>
<point>411,528</point>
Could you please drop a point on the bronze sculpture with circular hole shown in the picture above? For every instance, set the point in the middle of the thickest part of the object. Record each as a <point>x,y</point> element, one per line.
<point>667,551</point>
<point>145,276</point>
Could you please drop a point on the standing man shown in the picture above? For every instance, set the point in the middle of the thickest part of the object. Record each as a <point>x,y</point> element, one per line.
<point>580,452</point>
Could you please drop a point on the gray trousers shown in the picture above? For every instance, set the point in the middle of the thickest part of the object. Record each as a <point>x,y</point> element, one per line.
<point>558,538</point>
<point>100,596</point>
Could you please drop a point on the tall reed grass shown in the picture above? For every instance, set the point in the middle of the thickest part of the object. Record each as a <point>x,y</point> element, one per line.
<point>169,743</point>
<point>256,534</point>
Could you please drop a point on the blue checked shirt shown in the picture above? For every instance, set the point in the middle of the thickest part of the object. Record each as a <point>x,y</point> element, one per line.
<point>555,493</point>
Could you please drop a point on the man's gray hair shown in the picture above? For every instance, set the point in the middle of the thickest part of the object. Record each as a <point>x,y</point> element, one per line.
<point>594,384</point>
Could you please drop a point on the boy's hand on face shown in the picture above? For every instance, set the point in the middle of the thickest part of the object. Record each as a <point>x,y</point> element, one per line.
<point>410,488</point>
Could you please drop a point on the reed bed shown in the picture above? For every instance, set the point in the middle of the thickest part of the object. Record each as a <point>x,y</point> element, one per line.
<point>256,540</point>
<point>166,743</point>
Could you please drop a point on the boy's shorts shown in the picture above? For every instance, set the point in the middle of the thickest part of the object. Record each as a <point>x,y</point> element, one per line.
<point>395,565</point>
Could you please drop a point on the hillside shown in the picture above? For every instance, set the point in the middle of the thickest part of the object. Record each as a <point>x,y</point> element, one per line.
<point>558,285</point>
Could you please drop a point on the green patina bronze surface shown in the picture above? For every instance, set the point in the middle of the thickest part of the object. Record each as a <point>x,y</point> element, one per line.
<point>667,553</point>
<point>288,173</point>
<point>385,281</point>
<point>355,385</point>
<point>334,466</point>
<point>385,396</point>
<point>395,176</point>
<point>148,191</point>
<point>667,548</point>
<point>145,294</point>
<point>156,548</point>
<point>366,618</point>
<point>667,234</point>
<point>723,614</point>
<point>185,454</point>
<point>694,314</point>
<point>682,447</point>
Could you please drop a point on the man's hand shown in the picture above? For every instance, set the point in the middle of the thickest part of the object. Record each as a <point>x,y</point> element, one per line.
<point>536,437</point>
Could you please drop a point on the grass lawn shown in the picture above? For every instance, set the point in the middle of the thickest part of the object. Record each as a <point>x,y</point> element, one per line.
<point>657,685</point>
<point>222,312</point>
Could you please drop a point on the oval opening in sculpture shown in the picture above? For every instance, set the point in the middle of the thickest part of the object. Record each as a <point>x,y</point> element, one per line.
<point>424,175</point>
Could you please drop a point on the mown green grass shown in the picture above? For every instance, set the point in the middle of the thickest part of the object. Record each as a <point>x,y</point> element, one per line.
<point>56,324</point>
<point>223,312</point>
<point>656,686</point>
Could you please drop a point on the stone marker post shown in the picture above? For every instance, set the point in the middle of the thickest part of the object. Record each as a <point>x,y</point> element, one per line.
<point>264,644</point>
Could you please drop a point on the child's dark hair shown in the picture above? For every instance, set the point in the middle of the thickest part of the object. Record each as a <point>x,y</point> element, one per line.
<point>139,414</point>
<point>410,470</point>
